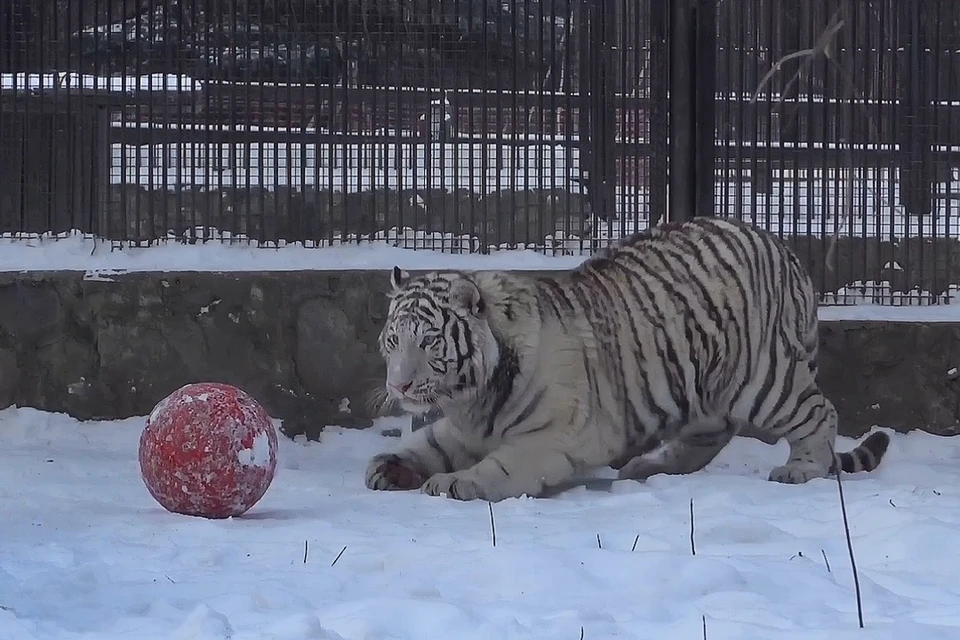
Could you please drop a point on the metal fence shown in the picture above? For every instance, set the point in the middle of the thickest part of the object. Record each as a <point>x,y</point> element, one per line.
<point>479,125</point>
<point>850,133</point>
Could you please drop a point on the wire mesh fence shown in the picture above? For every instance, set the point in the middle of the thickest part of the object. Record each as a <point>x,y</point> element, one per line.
<point>450,124</point>
<point>480,125</point>
<point>838,124</point>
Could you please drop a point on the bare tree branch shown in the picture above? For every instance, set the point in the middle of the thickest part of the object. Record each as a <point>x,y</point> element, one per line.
<point>823,45</point>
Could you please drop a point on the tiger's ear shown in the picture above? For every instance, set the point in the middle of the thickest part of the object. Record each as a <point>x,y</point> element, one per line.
<point>398,278</point>
<point>465,294</point>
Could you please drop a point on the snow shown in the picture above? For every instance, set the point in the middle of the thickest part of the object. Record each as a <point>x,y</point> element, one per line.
<point>257,455</point>
<point>78,252</point>
<point>69,80</point>
<point>103,261</point>
<point>87,553</point>
<point>888,313</point>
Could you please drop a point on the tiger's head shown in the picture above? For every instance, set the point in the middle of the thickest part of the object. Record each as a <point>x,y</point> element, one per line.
<point>437,341</point>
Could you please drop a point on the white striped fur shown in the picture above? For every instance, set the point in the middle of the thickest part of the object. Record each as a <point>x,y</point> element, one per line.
<point>648,357</point>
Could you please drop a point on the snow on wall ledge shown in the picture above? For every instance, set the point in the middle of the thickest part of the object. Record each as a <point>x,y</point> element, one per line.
<point>304,344</point>
<point>910,279</point>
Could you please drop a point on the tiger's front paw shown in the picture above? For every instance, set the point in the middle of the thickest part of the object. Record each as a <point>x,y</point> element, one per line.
<point>390,472</point>
<point>455,485</point>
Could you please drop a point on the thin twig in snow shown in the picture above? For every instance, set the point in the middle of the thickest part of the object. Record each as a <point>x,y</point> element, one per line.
<point>825,561</point>
<point>635,541</point>
<point>703,617</point>
<point>599,544</point>
<point>338,556</point>
<point>693,546</point>
<point>853,562</point>
<point>493,526</point>
<point>306,550</point>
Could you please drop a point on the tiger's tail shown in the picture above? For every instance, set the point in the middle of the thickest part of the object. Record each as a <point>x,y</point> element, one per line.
<point>866,456</point>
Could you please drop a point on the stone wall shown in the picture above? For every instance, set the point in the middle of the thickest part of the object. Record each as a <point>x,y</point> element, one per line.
<point>302,342</point>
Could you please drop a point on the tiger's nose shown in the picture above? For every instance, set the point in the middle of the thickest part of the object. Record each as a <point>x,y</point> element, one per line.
<point>402,387</point>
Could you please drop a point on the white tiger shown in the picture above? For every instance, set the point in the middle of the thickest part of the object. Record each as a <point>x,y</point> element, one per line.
<point>649,357</point>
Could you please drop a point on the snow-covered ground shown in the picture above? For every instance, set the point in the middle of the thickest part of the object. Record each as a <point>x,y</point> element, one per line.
<point>87,554</point>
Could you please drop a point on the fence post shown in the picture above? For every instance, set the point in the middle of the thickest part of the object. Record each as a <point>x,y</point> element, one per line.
<point>915,82</point>
<point>597,116</point>
<point>692,78</point>
<point>705,105</point>
<point>659,167</point>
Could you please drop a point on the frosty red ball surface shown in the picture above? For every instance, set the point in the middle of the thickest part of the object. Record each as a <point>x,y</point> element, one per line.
<point>208,449</point>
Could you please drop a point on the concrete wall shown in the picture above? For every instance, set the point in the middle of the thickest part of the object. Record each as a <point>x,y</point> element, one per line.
<point>301,342</point>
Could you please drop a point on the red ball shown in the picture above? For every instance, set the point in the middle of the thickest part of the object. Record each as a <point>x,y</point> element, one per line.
<point>209,450</point>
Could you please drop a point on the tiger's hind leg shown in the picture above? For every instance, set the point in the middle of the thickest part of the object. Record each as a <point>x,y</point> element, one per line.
<point>811,432</point>
<point>697,444</point>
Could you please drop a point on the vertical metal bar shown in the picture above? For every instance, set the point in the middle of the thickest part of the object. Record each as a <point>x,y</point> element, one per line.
<point>567,127</point>
<point>737,121</point>
<point>343,128</point>
<point>172,151</point>
<point>452,82</point>
<point>608,110</point>
<point>585,146</point>
<point>624,110</point>
<point>774,166</point>
<point>296,125</point>
<point>916,182</point>
<point>375,166</point>
<point>682,92</point>
<point>658,18</point>
<point>858,39</point>
<point>731,88</point>
<point>329,145</point>
<point>498,212</point>
<point>59,118</point>
<point>516,131</point>
<point>254,123</point>
<point>484,137</point>
<point>212,105</point>
<point>181,182</point>
<point>826,140</point>
<point>284,134</point>
<point>808,139</point>
<point>305,212</point>
<point>319,217</point>
<point>933,96</point>
<point>705,38</point>
<point>949,97</point>
<point>540,131</point>
<point>952,141</point>
<point>473,185</point>
<point>881,127</point>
